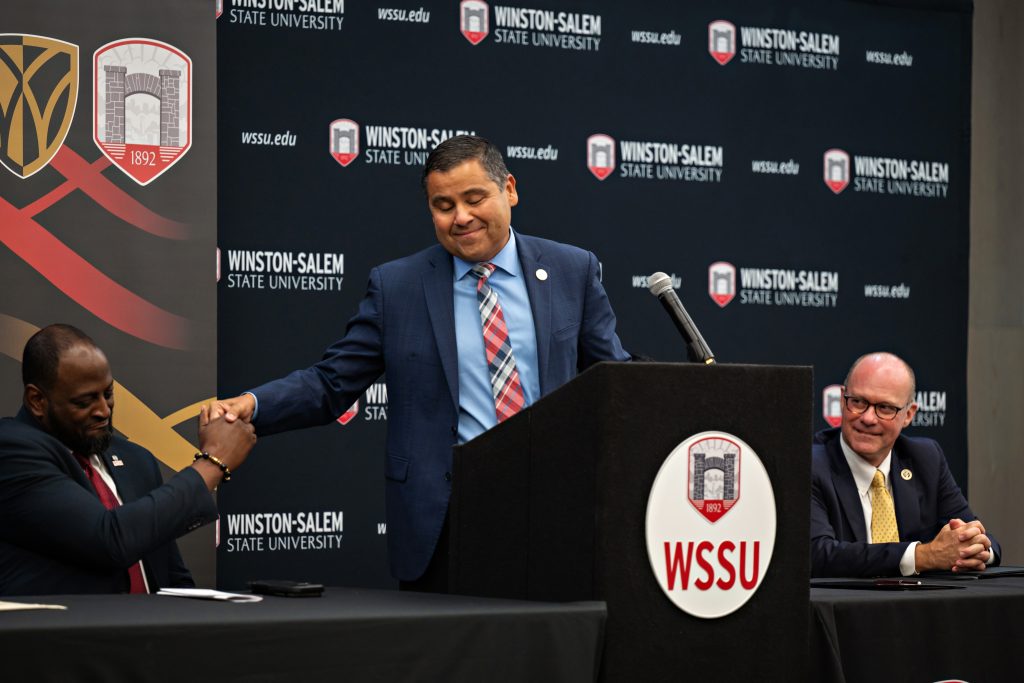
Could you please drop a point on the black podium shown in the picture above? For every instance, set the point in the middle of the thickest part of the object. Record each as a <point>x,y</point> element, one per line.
<point>550,505</point>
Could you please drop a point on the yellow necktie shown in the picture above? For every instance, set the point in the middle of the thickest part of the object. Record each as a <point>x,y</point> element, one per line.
<point>883,515</point>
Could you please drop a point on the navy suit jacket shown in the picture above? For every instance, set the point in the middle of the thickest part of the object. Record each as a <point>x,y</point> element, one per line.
<point>56,537</point>
<point>406,326</point>
<point>924,504</point>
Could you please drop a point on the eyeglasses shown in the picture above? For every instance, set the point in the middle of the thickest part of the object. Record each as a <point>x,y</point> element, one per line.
<point>884,411</point>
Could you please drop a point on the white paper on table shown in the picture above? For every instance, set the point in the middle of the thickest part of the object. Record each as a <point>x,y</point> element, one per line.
<point>208,594</point>
<point>12,606</point>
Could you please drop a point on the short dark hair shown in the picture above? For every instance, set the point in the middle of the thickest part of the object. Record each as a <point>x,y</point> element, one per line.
<point>43,351</point>
<point>462,148</point>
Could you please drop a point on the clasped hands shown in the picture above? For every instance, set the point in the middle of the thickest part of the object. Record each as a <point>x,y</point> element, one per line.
<point>225,437</point>
<point>959,547</point>
<point>237,408</point>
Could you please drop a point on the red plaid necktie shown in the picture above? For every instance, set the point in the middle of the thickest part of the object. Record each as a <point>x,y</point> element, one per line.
<point>109,500</point>
<point>508,393</point>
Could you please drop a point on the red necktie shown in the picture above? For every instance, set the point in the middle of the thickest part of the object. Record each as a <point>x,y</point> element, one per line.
<point>109,500</point>
<point>508,393</point>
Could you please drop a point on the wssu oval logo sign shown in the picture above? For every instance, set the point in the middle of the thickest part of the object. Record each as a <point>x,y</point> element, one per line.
<point>711,524</point>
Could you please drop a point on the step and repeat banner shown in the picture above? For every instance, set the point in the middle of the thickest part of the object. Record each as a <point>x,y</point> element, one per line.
<point>108,204</point>
<point>799,168</point>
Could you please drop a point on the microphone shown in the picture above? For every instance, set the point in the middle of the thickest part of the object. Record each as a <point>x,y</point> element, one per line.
<point>697,349</point>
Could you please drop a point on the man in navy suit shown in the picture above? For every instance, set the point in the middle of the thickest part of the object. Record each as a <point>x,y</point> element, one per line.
<point>420,322</point>
<point>936,528</point>
<point>83,510</point>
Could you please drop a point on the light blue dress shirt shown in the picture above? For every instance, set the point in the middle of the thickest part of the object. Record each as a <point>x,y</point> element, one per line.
<point>476,402</point>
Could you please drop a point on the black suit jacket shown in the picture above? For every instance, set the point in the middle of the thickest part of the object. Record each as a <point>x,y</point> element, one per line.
<point>924,504</point>
<point>55,534</point>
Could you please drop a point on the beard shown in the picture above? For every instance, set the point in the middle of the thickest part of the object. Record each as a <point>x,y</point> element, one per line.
<point>79,440</point>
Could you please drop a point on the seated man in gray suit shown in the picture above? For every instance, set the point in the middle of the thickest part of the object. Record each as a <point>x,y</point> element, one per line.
<point>884,504</point>
<point>83,510</point>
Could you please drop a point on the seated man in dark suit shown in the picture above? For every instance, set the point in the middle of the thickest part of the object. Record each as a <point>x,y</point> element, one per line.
<point>83,510</point>
<point>883,504</point>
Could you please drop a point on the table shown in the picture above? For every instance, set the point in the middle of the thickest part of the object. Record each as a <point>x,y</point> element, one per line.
<point>349,634</point>
<point>354,634</point>
<point>974,633</point>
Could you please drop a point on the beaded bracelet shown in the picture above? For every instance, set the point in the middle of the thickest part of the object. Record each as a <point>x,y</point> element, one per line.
<point>216,461</point>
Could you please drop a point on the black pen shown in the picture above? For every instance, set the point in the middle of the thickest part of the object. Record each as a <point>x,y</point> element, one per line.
<point>897,582</point>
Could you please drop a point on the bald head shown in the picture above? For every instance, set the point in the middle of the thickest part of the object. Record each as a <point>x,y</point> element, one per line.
<point>888,364</point>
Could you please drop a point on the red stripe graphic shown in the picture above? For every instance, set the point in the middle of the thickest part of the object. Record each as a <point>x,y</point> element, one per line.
<point>81,281</point>
<point>58,193</point>
<point>90,180</point>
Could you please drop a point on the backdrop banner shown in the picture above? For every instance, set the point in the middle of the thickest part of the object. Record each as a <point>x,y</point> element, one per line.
<point>108,206</point>
<point>799,168</point>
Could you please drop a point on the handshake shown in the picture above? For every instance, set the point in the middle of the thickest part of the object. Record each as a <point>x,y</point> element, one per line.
<point>226,436</point>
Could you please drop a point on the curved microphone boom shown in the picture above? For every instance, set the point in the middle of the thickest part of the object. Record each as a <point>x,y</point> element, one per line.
<point>660,285</point>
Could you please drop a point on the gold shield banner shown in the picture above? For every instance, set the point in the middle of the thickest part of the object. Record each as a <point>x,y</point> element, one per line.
<point>38,92</point>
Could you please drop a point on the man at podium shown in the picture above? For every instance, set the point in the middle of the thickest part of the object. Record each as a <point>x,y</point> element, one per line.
<point>884,504</point>
<point>469,332</point>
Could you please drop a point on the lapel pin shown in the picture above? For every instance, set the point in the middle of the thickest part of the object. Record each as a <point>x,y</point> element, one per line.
<point>907,475</point>
<point>119,463</point>
<point>542,274</point>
